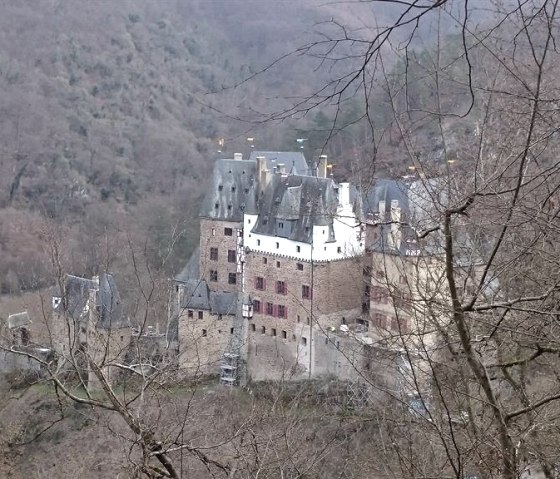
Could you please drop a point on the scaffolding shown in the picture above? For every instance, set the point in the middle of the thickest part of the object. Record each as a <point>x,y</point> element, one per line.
<point>230,367</point>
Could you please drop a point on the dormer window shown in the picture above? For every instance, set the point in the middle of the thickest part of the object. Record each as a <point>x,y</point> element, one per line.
<point>280,225</point>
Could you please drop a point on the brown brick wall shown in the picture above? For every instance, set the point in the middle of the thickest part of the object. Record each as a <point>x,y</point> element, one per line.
<point>212,236</point>
<point>283,348</point>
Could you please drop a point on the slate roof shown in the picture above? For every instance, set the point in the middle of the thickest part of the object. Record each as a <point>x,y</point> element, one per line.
<point>232,190</point>
<point>223,303</point>
<point>233,187</point>
<point>417,200</point>
<point>107,299</point>
<point>292,205</point>
<point>293,161</point>
<point>197,295</point>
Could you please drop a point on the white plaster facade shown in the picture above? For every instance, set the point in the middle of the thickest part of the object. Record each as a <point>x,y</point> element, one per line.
<point>348,233</point>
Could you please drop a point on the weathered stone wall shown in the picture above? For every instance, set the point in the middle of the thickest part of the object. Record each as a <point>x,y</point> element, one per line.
<point>202,342</point>
<point>212,235</point>
<point>281,347</point>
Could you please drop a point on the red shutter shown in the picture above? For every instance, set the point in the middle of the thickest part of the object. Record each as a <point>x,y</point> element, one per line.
<point>264,284</point>
<point>285,288</point>
<point>285,311</point>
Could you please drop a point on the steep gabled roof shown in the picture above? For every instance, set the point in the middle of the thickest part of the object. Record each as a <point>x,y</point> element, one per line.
<point>74,302</point>
<point>294,162</point>
<point>232,190</point>
<point>300,201</point>
<point>197,295</point>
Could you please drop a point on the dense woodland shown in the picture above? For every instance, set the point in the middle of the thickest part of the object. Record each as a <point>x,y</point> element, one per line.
<point>111,115</point>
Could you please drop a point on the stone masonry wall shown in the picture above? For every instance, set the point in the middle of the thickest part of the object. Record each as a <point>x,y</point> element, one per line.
<point>203,340</point>
<point>282,347</point>
<point>213,235</point>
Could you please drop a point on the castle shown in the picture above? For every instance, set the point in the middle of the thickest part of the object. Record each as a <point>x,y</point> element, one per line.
<point>297,276</point>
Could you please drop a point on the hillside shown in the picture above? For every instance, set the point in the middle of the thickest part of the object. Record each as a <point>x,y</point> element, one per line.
<point>109,125</point>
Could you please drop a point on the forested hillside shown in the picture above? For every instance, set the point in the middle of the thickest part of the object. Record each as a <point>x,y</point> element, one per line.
<point>111,111</point>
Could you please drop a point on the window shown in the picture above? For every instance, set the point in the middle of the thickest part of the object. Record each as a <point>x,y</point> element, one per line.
<point>281,287</point>
<point>231,330</point>
<point>200,315</point>
<point>213,275</point>
<point>253,327</point>
<point>339,249</point>
<point>190,313</point>
<point>278,264</point>
<point>213,231</point>
<point>394,324</point>
<point>284,335</point>
<point>270,309</point>
<point>214,254</point>
<point>232,278</point>
<point>231,256</point>
<point>263,330</point>
<point>280,225</point>
<point>277,245</point>
<point>304,341</point>
<point>273,331</point>
<point>379,295</point>
<point>282,311</point>
<point>260,283</point>
<point>256,306</point>
<point>305,292</point>
<point>229,209</point>
<point>216,205</point>
<point>258,242</point>
<point>204,333</point>
<point>233,189</point>
<point>402,279</point>
<point>299,266</point>
<point>228,232</point>
<point>220,187</point>
<point>379,320</point>
<point>265,260</point>
<point>298,318</point>
<point>298,249</point>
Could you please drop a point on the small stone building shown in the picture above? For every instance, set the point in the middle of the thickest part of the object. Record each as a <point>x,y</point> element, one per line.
<point>89,325</point>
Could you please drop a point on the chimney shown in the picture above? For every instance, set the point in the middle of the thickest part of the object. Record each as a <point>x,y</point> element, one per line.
<point>344,195</point>
<point>395,234</point>
<point>322,167</point>
<point>263,175</point>
<point>238,156</point>
<point>382,210</point>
